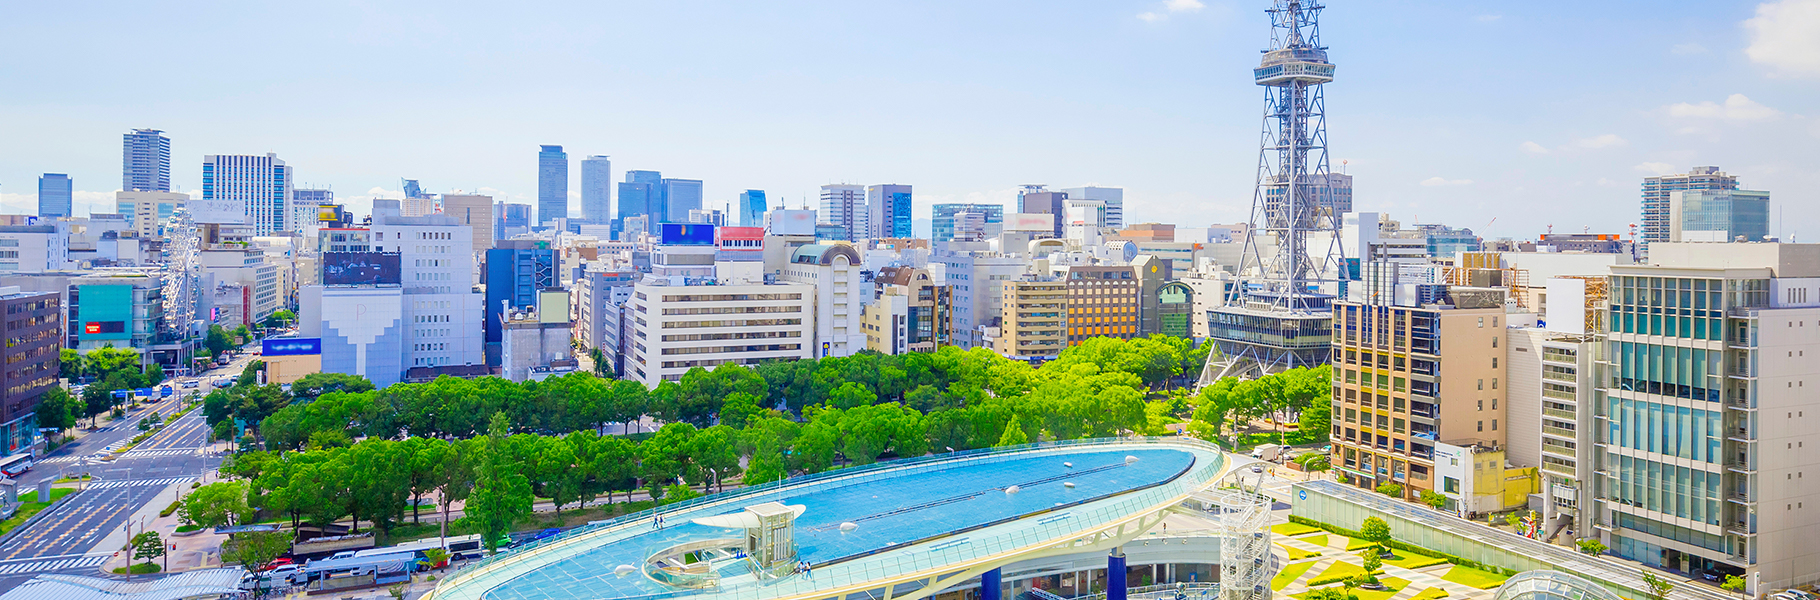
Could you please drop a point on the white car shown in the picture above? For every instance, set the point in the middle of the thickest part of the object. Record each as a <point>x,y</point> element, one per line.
<point>278,576</point>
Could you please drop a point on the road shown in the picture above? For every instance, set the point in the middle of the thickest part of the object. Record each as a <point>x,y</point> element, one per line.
<point>66,539</point>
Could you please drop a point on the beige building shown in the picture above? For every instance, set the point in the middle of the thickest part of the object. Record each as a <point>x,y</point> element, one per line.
<point>680,327</point>
<point>1406,378</point>
<point>923,303</point>
<point>1033,319</point>
<point>1103,301</point>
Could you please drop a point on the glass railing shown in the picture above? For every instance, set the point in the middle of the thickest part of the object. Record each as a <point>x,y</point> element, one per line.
<point>864,569</point>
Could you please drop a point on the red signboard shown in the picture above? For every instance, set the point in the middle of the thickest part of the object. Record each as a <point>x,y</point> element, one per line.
<point>92,327</point>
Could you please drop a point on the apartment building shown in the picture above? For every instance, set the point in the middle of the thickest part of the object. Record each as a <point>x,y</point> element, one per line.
<point>909,297</point>
<point>1033,319</point>
<point>833,273</point>
<point>1409,377</point>
<point>707,324</point>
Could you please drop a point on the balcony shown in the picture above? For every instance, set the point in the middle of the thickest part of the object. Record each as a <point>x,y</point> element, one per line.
<point>1740,435</point>
<point>1558,451</point>
<point>1562,470</point>
<point>1739,465</point>
<point>1740,497</point>
<point>1740,528</point>
<point>1560,431</point>
<point>1561,414</point>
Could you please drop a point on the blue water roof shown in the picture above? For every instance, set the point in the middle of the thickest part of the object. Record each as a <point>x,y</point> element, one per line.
<point>889,511</point>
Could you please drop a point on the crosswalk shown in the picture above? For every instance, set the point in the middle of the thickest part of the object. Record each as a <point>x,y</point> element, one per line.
<point>102,485</point>
<point>161,452</point>
<point>58,459</point>
<point>56,564</point>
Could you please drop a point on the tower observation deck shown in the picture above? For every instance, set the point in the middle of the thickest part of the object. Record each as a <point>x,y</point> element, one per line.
<point>1279,317</point>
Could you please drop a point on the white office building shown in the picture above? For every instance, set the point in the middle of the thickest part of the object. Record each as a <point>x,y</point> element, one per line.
<point>442,309</point>
<point>1113,198</point>
<point>681,327</point>
<point>840,293</point>
<point>845,205</point>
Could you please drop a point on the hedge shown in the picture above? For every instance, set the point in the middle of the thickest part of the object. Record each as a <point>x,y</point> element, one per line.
<point>1397,545</point>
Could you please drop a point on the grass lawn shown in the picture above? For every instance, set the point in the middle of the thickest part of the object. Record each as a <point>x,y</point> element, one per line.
<point>1317,539</point>
<point>1298,553</point>
<point>1392,585</point>
<point>1411,560</point>
<point>1289,574</point>
<point>1483,580</point>
<point>1356,544</point>
<point>1433,593</point>
<point>1292,529</point>
<point>56,494</point>
<point>140,569</point>
<point>28,506</point>
<point>1338,571</point>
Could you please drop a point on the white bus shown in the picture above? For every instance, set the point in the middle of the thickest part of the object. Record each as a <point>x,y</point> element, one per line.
<point>16,465</point>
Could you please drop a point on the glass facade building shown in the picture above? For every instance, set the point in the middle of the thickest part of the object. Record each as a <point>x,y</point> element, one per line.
<point>257,188</point>
<point>552,184</point>
<point>1719,215</point>
<point>752,207</point>
<point>56,195</point>
<point>597,189</point>
<point>679,197</point>
<point>942,225</point>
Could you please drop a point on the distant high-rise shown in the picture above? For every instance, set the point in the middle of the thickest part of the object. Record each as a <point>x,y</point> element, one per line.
<point>145,161</point>
<point>1037,200</point>
<point>845,205</point>
<point>942,227</point>
<point>597,189</point>
<point>679,197</point>
<point>552,184</point>
<point>56,195</point>
<point>640,195</point>
<point>1113,197</point>
<point>245,189</point>
<point>1657,224</point>
<point>752,208</point>
<point>888,211</point>
<point>1718,215</point>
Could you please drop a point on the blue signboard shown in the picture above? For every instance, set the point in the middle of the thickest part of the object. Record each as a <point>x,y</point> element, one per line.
<point>292,346</point>
<point>687,234</point>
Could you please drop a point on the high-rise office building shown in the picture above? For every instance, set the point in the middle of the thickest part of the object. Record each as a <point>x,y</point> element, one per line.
<point>1657,223</point>
<point>34,333</point>
<point>515,271</point>
<point>474,211</point>
<point>942,225</point>
<point>679,197</point>
<point>1113,197</point>
<point>145,161</point>
<point>752,208</point>
<point>1037,200</point>
<point>845,205</point>
<point>888,211</point>
<point>247,190</point>
<point>1718,215</point>
<point>552,184</point>
<point>147,211</point>
<point>597,189</point>
<point>1702,454</point>
<point>56,195</point>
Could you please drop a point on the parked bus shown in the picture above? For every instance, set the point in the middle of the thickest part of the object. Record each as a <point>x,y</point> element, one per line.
<point>16,465</point>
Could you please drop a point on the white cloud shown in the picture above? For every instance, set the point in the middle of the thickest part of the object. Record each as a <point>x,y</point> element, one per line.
<point>1437,181</point>
<point>1687,49</point>
<point>1171,7</point>
<point>1785,35</point>
<point>1655,168</point>
<point>1487,18</point>
<point>1533,148</point>
<point>1600,141</point>
<point>1736,108</point>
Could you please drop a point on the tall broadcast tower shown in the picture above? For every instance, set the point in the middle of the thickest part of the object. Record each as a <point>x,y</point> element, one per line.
<point>1278,312</point>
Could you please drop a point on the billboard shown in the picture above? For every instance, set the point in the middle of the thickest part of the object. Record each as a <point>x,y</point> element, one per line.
<point>1565,308</point>
<point>686,234</point>
<point>1042,222</point>
<point>292,346</point>
<point>104,311</point>
<point>361,268</point>
<point>791,222</point>
<point>216,210</point>
<point>328,213</point>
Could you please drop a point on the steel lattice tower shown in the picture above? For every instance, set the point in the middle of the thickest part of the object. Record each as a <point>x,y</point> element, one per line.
<point>1278,314</point>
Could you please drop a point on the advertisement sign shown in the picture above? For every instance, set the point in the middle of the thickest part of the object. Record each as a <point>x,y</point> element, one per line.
<point>216,210</point>
<point>328,213</point>
<point>291,347</point>
<point>687,234</point>
<point>361,268</point>
<point>1030,222</point>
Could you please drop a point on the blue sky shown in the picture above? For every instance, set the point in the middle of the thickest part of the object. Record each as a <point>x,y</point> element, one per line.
<point>1529,113</point>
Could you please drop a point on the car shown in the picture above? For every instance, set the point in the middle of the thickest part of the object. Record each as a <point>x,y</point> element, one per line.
<point>1801,595</point>
<point>1784,596</point>
<point>192,383</point>
<point>469,555</point>
<point>291,574</point>
<point>279,562</point>
<point>344,554</point>
<point>1257,468</point>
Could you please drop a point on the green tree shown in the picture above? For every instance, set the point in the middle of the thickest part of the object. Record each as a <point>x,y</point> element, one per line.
<point>1733,583</point>
<point>256,550</point>
<point>216,505</point>
<point>851,395</point>
<point>1375,530</point>
<point>1590,546</point>
<point>1372,563</point>
<point>1658,586</point>
<point>665,457</point>
<point>250,375</point>
<point>314,385</point>
<point>70,364</point>
<point>502,494</point>
<point>217,340</point>
<point>1014,434</point>
<point>58,410</point>
<point>147,545</point>
<point>1391,489</point>
<point>280,318</point>
<point>715,454</point>
<point>740,409</point>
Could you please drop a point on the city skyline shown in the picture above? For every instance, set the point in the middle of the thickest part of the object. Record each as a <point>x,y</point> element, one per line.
<point>1160,88</point>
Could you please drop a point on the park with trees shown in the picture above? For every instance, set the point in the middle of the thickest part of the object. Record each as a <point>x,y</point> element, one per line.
<point>332,449</point>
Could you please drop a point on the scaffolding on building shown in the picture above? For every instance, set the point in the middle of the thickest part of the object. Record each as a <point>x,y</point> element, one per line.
<point>1243,517</point>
